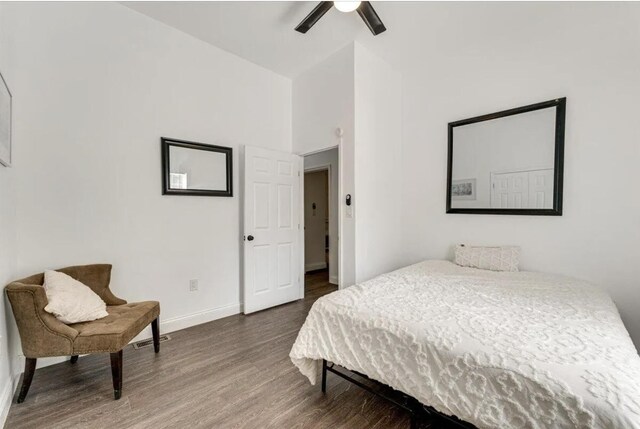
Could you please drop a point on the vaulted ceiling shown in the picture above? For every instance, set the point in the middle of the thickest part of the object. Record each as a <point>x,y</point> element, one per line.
<point>262,32</point>
<point>420,36</point>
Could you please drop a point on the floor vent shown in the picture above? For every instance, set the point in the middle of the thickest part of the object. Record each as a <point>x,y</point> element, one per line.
<point>149,342</point>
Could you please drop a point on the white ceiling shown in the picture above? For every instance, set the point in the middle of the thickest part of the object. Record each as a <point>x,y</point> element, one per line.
<point>421,37</point>
<point>263,32</point>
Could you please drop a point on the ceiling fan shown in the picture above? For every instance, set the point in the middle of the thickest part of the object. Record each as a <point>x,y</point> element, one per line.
<point>364,9</point>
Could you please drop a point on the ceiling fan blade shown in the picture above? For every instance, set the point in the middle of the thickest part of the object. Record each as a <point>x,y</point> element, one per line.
<point>371,18</point>
<point>317,13</point>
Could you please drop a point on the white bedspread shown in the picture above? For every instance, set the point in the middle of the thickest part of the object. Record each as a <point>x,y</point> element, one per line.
<point>499,350</point>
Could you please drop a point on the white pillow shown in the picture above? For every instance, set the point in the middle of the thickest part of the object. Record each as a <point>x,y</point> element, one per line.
<point>499,258</point>
<point>71,301</point>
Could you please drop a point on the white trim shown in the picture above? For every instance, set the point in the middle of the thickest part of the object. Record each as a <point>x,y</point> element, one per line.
<point>313,152</point>
<point>301,226</point>
<point>182,322</point>
<point>315,266</point>
<point>47,361</point>
<point>5,399</point>
<point>323,167</point>
<point>333,280</point>
<point>341,212</point>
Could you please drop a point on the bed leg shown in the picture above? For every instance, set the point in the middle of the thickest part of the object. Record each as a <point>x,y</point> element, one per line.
<point>324,376</point>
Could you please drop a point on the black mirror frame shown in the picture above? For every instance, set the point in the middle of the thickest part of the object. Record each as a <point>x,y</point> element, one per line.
<point>166,143</point>
<point>560,105</point>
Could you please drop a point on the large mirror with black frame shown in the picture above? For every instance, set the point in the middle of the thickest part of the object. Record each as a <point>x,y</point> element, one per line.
<point>508,162</point>
<point>190,168</point>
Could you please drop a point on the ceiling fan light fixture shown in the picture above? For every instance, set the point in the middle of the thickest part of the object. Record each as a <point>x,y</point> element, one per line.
<point>346,6</point>
<point>364,9</point>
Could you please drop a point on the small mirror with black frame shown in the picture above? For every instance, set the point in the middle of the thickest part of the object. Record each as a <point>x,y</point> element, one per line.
<point>190,168</point>
<point>509,162</point>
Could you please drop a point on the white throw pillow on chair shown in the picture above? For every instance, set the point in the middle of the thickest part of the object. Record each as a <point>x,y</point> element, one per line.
<point>71,301</point>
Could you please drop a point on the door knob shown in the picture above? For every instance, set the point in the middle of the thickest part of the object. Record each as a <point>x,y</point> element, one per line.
<point>250,238</point>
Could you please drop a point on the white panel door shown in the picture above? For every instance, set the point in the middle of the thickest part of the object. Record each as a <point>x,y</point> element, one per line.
<point>541,189</point>
<point>522,189</point>
<point>510,190</point>
<point>271,228</point>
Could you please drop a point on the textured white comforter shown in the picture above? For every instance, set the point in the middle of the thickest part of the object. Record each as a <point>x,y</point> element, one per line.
<point>499,350</point>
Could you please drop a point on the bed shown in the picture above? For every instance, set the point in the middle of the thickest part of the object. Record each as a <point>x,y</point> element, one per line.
<point>495,349</point>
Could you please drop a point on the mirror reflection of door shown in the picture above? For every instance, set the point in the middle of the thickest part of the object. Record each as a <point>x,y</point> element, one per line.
<point>522,189</point>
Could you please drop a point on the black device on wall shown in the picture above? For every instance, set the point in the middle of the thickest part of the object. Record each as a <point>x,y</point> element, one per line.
<point>348,199</point>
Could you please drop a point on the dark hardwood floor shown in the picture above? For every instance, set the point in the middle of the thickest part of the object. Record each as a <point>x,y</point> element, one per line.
<point>231,373</point>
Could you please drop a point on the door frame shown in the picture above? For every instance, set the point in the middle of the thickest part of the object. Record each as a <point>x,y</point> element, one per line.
<point>330,205</point>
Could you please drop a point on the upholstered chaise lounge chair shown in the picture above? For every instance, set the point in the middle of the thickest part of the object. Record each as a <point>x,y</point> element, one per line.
<point>43,335</point>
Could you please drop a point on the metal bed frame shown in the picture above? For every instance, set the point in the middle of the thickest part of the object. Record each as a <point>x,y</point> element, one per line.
<point>416,410</point>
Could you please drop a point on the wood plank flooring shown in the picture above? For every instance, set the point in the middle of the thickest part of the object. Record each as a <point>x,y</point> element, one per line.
<point>231,373</point>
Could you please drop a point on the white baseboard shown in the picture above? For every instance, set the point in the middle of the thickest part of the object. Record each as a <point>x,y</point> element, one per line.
<point>333,280</point>
<point>315,266</point>
<point>5,400</point>
<point>42,362</point>
<point>182,322</point>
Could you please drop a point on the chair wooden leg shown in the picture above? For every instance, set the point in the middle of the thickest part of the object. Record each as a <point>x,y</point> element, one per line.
<point>74,359</point>
<point>116,373</point>
<point>324,376</point>
<point>29,369</point>
<point>156,335</point>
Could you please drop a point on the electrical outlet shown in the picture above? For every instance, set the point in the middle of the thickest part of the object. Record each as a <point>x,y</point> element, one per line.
<point>193,285</point>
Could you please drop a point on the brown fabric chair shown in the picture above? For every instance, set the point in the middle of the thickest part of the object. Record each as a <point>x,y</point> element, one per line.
<point>43,335</point>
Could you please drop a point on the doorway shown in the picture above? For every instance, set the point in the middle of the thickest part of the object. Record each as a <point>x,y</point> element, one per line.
<point>321,217</point>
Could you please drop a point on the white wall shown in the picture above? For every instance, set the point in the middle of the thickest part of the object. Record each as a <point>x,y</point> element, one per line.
<point>378,165</point>
<point>586,52</point>
<point>8,247</point>
<point>323,100</point>
<point>357,91</point>
<point>330,158</point>
<point>7,270</point>
<point>95,87</point>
